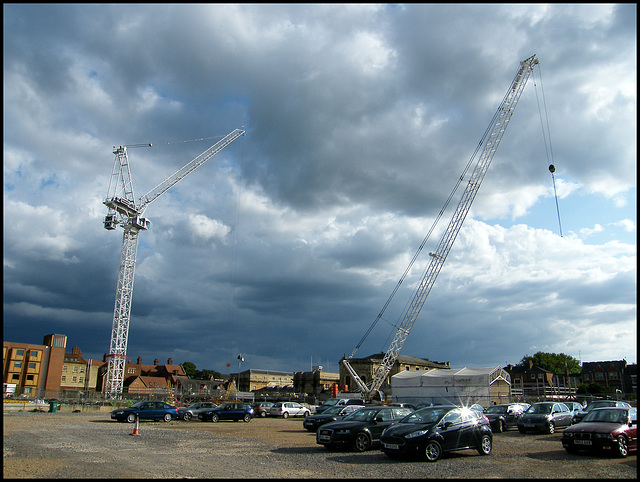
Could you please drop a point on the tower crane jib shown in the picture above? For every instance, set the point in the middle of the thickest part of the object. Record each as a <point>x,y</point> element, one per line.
<point>493,136</point>
<point>125,211</point>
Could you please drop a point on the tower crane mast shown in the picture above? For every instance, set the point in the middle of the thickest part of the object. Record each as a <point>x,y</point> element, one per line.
<point>124,210</point>
<point>491,140</point>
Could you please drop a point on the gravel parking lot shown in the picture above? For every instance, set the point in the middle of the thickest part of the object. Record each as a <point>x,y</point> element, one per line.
<point>79,445</point>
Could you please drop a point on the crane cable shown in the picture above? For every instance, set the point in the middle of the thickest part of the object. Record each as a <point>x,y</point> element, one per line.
<point>549,150</point>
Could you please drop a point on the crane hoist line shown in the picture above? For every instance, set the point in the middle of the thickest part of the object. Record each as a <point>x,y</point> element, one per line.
<point>491,141</point>
<point>126,211</point>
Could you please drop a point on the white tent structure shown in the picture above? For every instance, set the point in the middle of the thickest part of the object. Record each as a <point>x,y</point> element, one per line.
<point>460,386</point>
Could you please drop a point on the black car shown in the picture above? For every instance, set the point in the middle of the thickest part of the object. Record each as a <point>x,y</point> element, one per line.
<point>577,417</point>
<point>361,430</point>
<point>228,411</point>
<point>501,417</point>
<point>431,431</point>
<point>146,410</point>
<point>333,414</point>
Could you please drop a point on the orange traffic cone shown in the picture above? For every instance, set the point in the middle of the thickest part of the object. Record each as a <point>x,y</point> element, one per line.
<point>135,427</point>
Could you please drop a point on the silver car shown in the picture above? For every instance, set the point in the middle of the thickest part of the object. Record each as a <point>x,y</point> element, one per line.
<point>187,413</point>
<point>289,409</point>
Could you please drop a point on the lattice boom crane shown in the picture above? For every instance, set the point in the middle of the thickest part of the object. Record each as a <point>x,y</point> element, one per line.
<point>126,211</point>
<point>495,132</point>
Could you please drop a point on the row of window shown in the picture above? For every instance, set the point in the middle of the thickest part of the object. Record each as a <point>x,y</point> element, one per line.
<point>32,353</point>
<point>75,369</point>
<point>18,364</point>
<point>73,379</point>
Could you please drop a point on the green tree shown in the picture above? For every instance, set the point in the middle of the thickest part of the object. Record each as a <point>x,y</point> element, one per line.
<point>189,369</point>
<point>554,362</point>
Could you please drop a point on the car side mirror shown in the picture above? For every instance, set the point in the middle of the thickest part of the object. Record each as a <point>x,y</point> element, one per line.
<point>447,424</point>
<point>634,422</point>
<point>378,419</point>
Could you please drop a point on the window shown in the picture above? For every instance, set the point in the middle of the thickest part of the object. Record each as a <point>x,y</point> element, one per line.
<point>75,369</point>
<point>29,378</point>
<point>599,376</point>
<point>17,364</point>
<point>81,379</point>
<point>19,352</point>
<point>64,368</point>
<point>64,379</point>
<point>74,379</point>
<point>131,370</point>
<point>15,377</point>
<point>32,365</point>
<point>613,375</point>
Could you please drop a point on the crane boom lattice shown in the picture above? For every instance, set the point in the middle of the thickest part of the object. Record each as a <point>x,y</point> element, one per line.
<point>125,211</point>
<point>491,140</point>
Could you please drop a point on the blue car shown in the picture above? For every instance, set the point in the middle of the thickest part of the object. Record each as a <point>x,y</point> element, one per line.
<point>147,410</point>
<point>228,411</point>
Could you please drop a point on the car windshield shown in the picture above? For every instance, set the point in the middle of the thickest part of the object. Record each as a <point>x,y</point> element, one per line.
<point>426,415</point>
<point>362,415</point>
<point>540,408</point>
<point>332,410</point>
<point>137,405</point>
<point>331,402</point>
<point>606,416</point>
<point>496,409</point>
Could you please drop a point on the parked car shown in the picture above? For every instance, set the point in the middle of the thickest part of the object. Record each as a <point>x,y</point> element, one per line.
<point>402,405</point>
<point>503,416</point>
<point>332,402</point>
<point>228,411</point>
<point>261,409</point>
<point>432,431</point>
<point>332,414</point>
<point>577,417</point>
<point>612,430</point>
<point>361,430</point>
<point>146,410</point>
<point>289,409</point>
<point>187,413</point>
<point>574,407</point>
<point>545,417</point>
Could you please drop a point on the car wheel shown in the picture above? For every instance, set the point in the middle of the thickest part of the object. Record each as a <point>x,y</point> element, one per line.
<point>361,443</point>
<point>551,428</point>
<point>246,418</point>
<point>306,414</point>
<point>485,445</point>
<point>285,415</point>
<point>167,417</point>
<point>131,417</point>
<point>432,451</point>
<point>623,447</point>
<point>215,417</point>
<point>187,416</point>
<point>263,414</point>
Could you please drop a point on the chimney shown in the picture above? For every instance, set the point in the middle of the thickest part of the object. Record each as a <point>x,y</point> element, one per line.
<point>104,358</point>
<point>530,363</point>
<point>156,362</point>
<point>139,362</point>
<point>170,361</point>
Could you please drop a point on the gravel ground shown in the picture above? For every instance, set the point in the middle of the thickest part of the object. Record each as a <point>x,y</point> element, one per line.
<point>77,445</point>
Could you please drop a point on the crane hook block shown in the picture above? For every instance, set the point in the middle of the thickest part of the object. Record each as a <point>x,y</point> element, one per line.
<point>552,168</point>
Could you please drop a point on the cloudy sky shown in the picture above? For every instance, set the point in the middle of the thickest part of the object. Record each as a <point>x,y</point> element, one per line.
<point>359,121</point>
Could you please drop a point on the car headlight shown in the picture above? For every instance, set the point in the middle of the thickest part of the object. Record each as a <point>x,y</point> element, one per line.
<point>417,433</point>
<point>343,432</point>
<point>604,435</point>
<point>568,434</point>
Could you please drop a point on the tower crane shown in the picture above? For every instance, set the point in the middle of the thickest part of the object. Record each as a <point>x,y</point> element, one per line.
<point>493,136</point>
<point>124,210</point>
